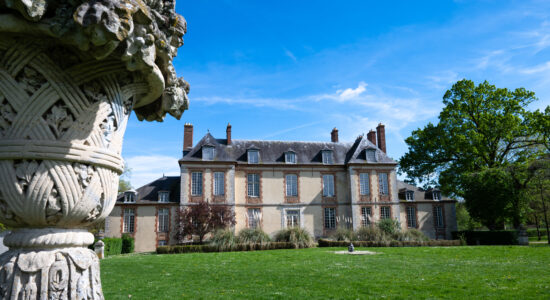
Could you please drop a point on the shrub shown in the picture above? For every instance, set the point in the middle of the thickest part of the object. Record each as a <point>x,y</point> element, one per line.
<point>329,243</point>
<point>299,237</point>
<point>127,244</point>
<point>532,232</point>
<point>224,239</point>
<point>214,248</point>
<point>389,226</point>
<point>410,235</point>
<point>253,236</point>
<point>495,237</point>
<point>343,234</point>
<point>113,246</point>
<point>371,233</point>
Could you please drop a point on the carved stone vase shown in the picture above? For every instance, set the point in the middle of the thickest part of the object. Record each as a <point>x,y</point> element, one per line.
<point>65,97</point>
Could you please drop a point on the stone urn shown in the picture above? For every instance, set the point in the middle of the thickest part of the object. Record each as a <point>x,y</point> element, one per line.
<point>71,72</point>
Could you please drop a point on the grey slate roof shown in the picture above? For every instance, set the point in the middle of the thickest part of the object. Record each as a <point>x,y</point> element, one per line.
<point>420,194</point>
<point>149,192</point>
<point>272,152</point>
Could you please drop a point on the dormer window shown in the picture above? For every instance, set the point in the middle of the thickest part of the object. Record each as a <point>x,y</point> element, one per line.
<point>409,195</point>
<point>327,157</point>
<point>290,157</point>
<point>370,154</point>
<point>207,153</point>
<point>253,156</point>
<point>130,197</point>
<point>436,195</point>
<point>164,196</point>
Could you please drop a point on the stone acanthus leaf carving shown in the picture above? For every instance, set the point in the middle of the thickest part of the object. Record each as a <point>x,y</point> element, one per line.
<point>94,92</point>
<point>6,116</point>
<point>30,80</point>
<point>59,120</point>
<point>85,173</point>
<point>53,207</point>
<point>24,172</point>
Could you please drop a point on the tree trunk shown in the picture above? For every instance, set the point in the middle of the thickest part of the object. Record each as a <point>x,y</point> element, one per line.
<point>545,210</point>
<point>537,225</point>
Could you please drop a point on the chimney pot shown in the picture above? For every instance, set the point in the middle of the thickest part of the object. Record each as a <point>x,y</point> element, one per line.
<point>187,136</point>
<point>334,135</point>
<point>381,135</point>
<point>228,134</point>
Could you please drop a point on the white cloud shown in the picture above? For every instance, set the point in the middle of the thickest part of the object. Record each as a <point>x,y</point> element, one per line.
<point>349,93</point>
<point>536,69</point>
<point>146,168</point>
<point>290,55</point>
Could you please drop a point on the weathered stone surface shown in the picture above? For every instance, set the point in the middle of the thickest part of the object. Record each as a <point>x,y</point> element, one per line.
<point>71,72</point>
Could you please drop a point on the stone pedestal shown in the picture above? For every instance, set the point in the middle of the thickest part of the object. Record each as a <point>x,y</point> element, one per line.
<point>70,75</point>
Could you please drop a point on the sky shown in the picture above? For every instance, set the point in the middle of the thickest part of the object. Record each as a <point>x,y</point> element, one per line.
<point>293,70</point>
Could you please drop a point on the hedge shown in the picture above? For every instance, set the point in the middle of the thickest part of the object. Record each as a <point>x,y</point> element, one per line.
<point>329,243</point>
<point>113,246</point>
<point>215,248</point>
<point>495,237</point>
<point>532,232</point>
<point>127,243</point>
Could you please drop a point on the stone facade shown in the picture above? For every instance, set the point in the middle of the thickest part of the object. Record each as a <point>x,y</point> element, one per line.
<point>257,191</point>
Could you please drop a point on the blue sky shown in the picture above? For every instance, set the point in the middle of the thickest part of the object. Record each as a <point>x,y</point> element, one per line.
<point>293,70</point>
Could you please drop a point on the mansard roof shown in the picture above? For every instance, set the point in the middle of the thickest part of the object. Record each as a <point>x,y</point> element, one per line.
<point>149,192</point>
<point>420,194</point>
<point>272,152</point>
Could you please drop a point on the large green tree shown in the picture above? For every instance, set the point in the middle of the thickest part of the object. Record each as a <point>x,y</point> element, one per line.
<point>480,127</point>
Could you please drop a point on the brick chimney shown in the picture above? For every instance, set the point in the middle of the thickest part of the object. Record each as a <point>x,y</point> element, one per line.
<point>371,136</point>
<point>228,134</point>
<point>334,135</point>
<point>381,135</point>
<point>187,136</point>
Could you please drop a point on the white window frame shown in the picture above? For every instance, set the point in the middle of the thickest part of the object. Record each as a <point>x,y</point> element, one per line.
<point>219,183</point>
<point>328,185</point>
<point>253,185</point>
<point>366,216</point>
<point>208,153</point>
<point>196,183</point>
<point>409,195</point>
<point>164,196</point>
<point>254,217</point>
<point>383,184</point>
<point>327,157</point>
<point>436,195</point>
<point>129,220</point>
<point>163,219</point>
<point>383,216</point>
<point>329,218</point>
<point>364,184</point>
<point>370,155</point>
<point>295,215</point>
<point>290,157</point>
<point>253,156</point>
<point>411,216</point>
<point>163,243</point>
<point>291,189</point>
<point>129,197</point>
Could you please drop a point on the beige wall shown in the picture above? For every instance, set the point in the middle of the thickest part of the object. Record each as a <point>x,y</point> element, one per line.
<point>425,218</point>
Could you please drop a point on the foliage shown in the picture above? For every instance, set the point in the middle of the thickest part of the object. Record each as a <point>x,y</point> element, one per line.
<point>299,237</point>
<point>343,234</point>
<point>224,239</point>
<point>481,127</point>
<point>539,193</point>
<point>494,237</point>
<point>202,218</point>
<point>389,226</point>
<point>463,218</point>
<point>127,244</point>
<point>393,243</point>
<point>124,179</point>
<point>113,246</point>
<point>253,236</point>
<point>481,272</point>
<point>410,235</point>
<point>371,233</point>
<point>215,248</point>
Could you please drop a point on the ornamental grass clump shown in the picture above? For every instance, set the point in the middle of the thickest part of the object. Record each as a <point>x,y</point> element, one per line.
<point>343,234</point>
<point>299,237</point>
<point>253,236</point>
<point>410,235</point>
<point>389,226</point>
<point>224,239</point>
<point>372,233</point>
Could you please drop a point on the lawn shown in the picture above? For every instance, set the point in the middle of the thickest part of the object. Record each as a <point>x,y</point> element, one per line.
<point>455,272</point>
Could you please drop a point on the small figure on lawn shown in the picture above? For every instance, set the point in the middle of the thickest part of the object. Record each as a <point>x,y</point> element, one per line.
<point>351,248</point>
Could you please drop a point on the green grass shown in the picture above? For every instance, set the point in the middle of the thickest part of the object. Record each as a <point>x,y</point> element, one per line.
<point>317,273</point>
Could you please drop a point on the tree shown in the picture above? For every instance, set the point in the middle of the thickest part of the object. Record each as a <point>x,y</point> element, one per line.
<point>481,129</point>
<point>463,218</point>
<point>202,218</point>
<point>124,179</point>
<point>539,189</point>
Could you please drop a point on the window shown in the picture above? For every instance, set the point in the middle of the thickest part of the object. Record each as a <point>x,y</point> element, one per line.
<point>385,212</point>
<point>328,185</point>
<point>207,153</point>
<point>411,216</point>
<point>162,243</point>
<point>291,185</point>
<point>292,218</point>
<point>409,195</point>
<point>366,215</point>
<point>219,183</point>
<point>327,157</point>
<point>438,217</point>
<point>253,156</point>
<point>129,197</point>
<point>330,217</point>
<point>129,220</point>
<point>253,185</point>
<point>196,184</point>
<point>290,158</point>
<point>370,154</point>
<point>164,196</point>
<point>383,183</point>
<point>436,195</point>
<point>364,184</point>
<point>254,217</point>
<point>164,220</point>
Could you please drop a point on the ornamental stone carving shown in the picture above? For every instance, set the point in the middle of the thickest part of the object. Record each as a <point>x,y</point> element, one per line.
<point>71,72</point>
